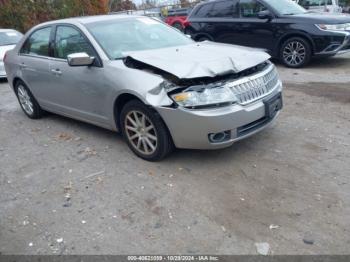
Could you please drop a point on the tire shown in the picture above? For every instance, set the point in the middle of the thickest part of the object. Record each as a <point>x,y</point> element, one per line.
<point>295,52</point>
<point>136,133</point>
<point>27,101</point>
<point>178,26</point>
<point>203,38</point>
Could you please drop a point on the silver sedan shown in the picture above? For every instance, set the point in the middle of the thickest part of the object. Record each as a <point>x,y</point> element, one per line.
<point>149,81</point>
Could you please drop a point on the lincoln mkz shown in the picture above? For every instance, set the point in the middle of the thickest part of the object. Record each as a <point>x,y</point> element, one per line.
<point>151,82</point>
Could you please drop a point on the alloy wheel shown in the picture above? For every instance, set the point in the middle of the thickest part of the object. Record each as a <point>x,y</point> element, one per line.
<point>141,132</point>
<point>294,53</point>
<point>25,100</point>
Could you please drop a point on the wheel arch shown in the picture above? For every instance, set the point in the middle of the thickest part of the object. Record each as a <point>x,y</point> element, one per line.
<point>199,35</point>
<point>177,21</point>
<point>17,79</point>
<point>295,34</point>
<point>121,101</point>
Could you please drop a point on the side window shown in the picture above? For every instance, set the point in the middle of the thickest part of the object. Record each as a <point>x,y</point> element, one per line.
<point>37,43</point>
<point>315,2</point>
<point>69,40</point>
<point>225,9</point>
<point>204,10</point>
<point>251,8</point>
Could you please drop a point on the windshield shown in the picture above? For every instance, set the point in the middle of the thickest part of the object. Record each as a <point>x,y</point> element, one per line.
<point>122,35</point>
<point>10,38</point>
<point>286,7</point>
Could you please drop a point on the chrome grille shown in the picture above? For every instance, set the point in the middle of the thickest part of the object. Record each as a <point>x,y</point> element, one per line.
<point>250,89</point>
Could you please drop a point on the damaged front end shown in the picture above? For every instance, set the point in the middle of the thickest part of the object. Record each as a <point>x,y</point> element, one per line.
<point>207,92</point>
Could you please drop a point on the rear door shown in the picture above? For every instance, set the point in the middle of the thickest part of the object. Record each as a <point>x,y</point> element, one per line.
<point>34,63</point>
<point>222,21</point>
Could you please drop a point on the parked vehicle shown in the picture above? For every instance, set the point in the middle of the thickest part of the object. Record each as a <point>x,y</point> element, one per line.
<point>177,18</point>
<point>345,5</point>
<point>283,28</point>
<point>146,79</point>
<point>8,40</point>
<point>154,12</point>
<point>329,6</point>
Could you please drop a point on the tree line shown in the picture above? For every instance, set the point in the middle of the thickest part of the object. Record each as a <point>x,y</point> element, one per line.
<point>24,14</point>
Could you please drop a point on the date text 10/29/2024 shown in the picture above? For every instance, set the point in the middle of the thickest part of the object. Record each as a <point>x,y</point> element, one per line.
<point>173,258</point>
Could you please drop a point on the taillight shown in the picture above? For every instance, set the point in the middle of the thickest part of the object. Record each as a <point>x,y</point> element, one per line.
<point>5,57</point>
<point>187,23</point>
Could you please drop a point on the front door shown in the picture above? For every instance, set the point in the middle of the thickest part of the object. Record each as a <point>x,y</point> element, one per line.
<point>252,31</point>
<point>78,91</point>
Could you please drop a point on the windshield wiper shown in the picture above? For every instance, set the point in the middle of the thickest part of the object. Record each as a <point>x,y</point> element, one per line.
<point>119,58</point>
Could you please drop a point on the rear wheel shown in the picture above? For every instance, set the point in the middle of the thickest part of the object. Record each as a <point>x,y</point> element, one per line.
<point>295,52</point>
<point>145,132</point>
<point>27,101</point>
<point>178,26</point>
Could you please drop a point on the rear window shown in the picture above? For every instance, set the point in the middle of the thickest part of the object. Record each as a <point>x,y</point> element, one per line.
<point>225,9</point>
<point>203,10</point>
<point>9,37</point>
<point>315,2</point>
<point>38,43</point>
<point>251,8</point>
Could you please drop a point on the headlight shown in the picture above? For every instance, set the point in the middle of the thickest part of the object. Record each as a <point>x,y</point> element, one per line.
<point>195,97</point>
<point>337,27</point>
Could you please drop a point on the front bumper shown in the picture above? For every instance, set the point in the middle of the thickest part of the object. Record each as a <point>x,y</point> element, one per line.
<point>336,47</point>
<point>190,128</point>
<point>2,70</point>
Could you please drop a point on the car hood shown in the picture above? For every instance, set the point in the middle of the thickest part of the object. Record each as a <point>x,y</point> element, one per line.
<point>4,49</point>
<point>322,18</point>
<point>204,59</point>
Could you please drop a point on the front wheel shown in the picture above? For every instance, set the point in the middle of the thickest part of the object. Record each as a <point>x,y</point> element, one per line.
<point>295,52</point>
<point>145,132</point>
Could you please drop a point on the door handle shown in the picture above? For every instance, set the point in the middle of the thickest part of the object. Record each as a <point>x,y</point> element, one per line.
<point>22,66</point>
<point>56,72</point>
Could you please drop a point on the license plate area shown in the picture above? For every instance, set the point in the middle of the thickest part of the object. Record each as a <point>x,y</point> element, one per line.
<point>273,105</point>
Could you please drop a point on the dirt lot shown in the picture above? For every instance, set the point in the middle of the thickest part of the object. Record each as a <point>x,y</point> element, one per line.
<point>72,188</point>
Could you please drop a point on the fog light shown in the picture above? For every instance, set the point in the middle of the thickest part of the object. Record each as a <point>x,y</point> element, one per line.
<point>219,137</point>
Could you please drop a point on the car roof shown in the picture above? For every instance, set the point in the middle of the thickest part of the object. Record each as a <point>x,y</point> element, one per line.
<point>91,19</point>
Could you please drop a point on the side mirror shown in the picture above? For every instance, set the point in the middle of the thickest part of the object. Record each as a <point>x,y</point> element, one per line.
<point>266,14</point>
<point>80,59</point>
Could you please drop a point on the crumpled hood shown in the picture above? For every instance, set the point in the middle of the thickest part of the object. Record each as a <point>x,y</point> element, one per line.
<point>4,49</point>
<point>204,59</point>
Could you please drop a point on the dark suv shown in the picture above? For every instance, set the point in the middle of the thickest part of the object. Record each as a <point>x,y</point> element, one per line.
<point>286,30</point>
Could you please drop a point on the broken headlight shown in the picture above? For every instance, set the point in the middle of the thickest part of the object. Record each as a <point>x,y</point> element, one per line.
<point>196,97</point>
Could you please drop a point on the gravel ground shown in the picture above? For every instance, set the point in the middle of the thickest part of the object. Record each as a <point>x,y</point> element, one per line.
<point>71,188</point>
